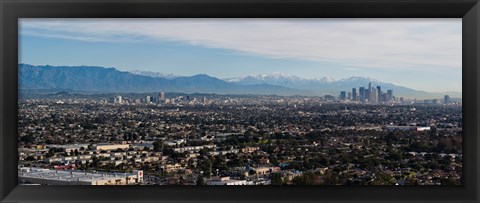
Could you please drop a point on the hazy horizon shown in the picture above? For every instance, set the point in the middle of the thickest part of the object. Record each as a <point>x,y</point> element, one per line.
<point>422,54</point>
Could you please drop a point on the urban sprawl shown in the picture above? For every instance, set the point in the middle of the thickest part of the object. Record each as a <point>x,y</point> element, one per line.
<point>369,138</point>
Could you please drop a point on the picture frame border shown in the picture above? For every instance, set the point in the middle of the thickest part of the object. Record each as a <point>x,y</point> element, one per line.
<point>12,10</point>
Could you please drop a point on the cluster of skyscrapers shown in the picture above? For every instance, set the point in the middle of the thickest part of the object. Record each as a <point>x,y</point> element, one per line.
<point>148,99</point>
<point>368,95</point>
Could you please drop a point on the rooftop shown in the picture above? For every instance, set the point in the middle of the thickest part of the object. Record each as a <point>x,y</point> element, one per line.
<point>69,175</point>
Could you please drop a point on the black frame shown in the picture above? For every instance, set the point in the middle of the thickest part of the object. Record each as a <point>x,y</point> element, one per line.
<point>11,10</point>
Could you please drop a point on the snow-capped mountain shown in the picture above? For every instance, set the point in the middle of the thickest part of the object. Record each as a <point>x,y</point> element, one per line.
<point>359,79</point>
<point>275,78</point>
<point>325,85</point>
<point>154,74</point>
<point>99,79</point>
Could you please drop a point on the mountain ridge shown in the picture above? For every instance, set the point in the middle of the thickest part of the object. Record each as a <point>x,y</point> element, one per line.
<point>100,79</point>
<point>87,78</point>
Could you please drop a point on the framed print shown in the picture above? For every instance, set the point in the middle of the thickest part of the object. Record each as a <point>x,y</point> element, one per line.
<point>239,101</point>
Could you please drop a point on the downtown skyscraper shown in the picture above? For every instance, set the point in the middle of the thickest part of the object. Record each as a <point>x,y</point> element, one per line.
<point>368,95</point>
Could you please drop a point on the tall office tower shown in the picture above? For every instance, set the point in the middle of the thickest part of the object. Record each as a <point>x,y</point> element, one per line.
<point>354,94</point>
<point>370,92</point>
<point>373,96</point>
<point>361,90</point>
<point>343,95</point>
<point>349,95</point>
<point>385,97</point>
<point>389,95</point>
<point>446,99</point>
<point>148,99</point>
<point>379,94</point>
<point>367,95</point>
<point>119,99</point>
<point>161,96</point>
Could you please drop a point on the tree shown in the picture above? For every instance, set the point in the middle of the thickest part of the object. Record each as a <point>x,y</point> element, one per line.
<point>158,146</point>
<point>308,178</point>
<point>28,139</point>
<point>51,152</point>
<point>95,161</point>
<point>330,178</point>
<point>200,180</point>
<point>277,179</point>
<point>383,179</point>
<point>30,158</point>
<point>395,156</point>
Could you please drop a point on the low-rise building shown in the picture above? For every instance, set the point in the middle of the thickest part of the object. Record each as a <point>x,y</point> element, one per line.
<point>72,177</point>
<point>108,146</point>
<point>226,181</point>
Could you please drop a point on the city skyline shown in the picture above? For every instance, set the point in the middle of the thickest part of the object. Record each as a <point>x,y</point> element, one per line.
<point>224,48</point>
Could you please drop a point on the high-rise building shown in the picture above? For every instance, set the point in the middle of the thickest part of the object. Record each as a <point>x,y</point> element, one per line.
<point>379,94</point>
<point>354,94</point>
<point>370,93</point>
<point>119,100</point>
<point>389,95</point>
<point>373,95</point>
<point>343,95</point>
<point>148,99</point>
<point>361,91</point>
<point>384,97</point>
<point>349,95</point>
<point>161,96</point>
<point>446,99</point>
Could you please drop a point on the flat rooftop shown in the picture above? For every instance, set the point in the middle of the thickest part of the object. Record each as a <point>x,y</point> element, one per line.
<point>69,175</point>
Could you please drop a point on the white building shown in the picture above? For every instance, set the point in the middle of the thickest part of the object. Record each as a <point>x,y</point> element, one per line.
<point>226,181</point>
<point>71,177</point>
<point>110,146</point>
<point>193,148</point>
<point>68,147</point>
<point>406,128</point>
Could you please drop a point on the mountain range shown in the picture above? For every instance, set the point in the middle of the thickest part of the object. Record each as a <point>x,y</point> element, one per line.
<point>110,80</point>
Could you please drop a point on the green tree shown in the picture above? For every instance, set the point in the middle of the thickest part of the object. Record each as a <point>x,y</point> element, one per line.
<point>158,146</point>
<point>308,178</point>
<point>28,139</point>
<point>277,179</point>
<point>383,179</point>
<point>200,180</point>
<point>51,152</point>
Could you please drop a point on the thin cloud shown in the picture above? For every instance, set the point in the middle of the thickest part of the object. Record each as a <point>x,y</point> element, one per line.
<point>388,43</point>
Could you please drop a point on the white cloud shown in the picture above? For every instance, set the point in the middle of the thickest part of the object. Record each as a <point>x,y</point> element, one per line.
<point>382,43</point>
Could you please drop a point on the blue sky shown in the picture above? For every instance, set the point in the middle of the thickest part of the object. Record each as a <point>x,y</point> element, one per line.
<point>421,54</point>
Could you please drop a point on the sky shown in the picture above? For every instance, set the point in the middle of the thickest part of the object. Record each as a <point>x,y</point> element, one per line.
<point>423,54</point>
